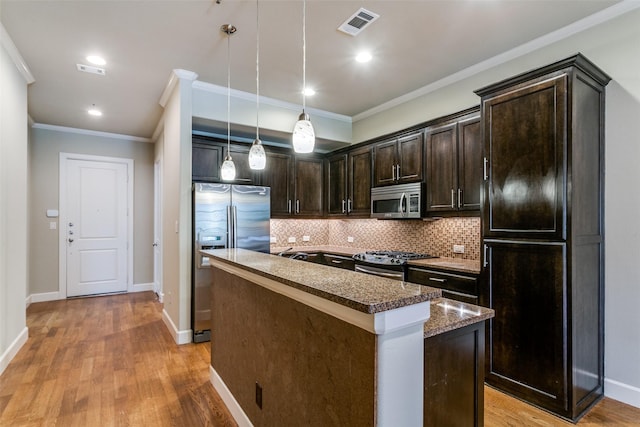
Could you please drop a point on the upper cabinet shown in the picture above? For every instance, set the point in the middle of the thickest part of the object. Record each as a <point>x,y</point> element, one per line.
<point>454,165</point>
<point>278,174</point>
<point>348,184</point>
<point>296,185</point>
<point>398,160</point>
<point>207,156</point>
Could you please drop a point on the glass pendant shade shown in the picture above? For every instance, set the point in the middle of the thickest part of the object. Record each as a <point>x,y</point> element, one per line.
<point>228,169</point>
<point>257,156</point>
<point>304,137</point>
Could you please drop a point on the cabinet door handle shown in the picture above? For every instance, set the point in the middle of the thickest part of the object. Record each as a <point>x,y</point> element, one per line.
<point>435,279</point>
<point>335,261</point>
<point>349,206</point>
<point>298,206</point>
<point>344,210</point>
<point>486,261</point>
<point>289,206</point>
<point>453,198</point>
<point>393,172</point>
<point>398,172</point>
<point>459,198</point>
<point>485,168</point>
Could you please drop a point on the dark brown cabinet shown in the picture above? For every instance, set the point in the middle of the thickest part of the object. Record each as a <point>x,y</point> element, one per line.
<point>457,286</point>
<point>454,378</point>
<point>207,155</point>
<point>398,160</point>
<point>454,165</point>
<point>278,174</point>
<point>543,234</point>
<point>206,159</point>
<point>296,185</point>
<point>308,188</point>
<point>348,184</point>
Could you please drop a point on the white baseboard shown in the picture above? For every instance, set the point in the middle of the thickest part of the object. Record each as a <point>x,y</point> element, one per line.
<point>624,393</point>
<point>232,404</point>
<point>13,349</point>
<point>180,337</point>
<point>160,297</point>
<point>42,297</point>
<point>27,303</point>
<point>141,287</point>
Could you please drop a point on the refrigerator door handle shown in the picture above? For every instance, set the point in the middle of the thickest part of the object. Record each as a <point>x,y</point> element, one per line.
<point>234,221</point>
<point>230,227</point>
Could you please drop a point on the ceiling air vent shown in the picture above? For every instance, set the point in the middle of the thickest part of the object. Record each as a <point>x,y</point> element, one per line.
<point>91,69</point>
<point>358,22</point>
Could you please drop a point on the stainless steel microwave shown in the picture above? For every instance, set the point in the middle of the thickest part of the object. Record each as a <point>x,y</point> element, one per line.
<point>400,201</point>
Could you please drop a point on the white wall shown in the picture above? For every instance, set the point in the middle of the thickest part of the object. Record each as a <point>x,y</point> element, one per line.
<point>173,149</point>
<point>13,200</point>
<point>47,142</point>
<point>615,47</point>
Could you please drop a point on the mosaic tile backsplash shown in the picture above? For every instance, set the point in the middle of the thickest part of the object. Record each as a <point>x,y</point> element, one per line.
<point>434,237</point>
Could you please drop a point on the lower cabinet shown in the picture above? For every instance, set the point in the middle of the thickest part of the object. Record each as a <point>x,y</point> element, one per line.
<point>457,286</point>
<point>454,377</point>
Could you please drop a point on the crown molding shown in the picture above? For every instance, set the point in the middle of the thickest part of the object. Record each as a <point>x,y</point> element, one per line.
<point>14,54</point>
<point>91,132</point>
<point>176,75</point>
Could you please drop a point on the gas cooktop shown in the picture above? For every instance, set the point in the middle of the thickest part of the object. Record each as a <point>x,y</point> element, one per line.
<point>390,257</point>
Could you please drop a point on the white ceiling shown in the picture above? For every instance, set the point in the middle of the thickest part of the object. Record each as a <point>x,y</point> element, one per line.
<point>414,43</point>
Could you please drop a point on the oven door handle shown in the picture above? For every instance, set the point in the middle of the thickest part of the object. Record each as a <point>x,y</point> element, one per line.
<point>402,200</point>
<point>397,275</point>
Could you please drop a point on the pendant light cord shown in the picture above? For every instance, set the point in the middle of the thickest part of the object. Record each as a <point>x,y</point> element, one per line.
<point>228,93</point>
<point>257,71</point>
<point>304,54</point>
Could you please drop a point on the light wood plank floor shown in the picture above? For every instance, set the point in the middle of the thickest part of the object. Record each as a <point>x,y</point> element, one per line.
<point>110,361</point>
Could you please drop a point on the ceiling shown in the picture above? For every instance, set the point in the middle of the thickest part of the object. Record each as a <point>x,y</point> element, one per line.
<point>414,43</point>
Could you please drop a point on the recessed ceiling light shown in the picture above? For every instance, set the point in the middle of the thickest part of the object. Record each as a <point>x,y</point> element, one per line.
<point>94,112</point>
<point>96,60</point>
<point>309,91</point>
<point>363,57</point>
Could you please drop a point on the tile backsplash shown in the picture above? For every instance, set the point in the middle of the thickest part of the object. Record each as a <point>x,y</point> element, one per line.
<point>435,237</point>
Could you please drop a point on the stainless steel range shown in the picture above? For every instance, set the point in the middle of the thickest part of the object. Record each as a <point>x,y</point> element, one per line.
<point>390,264</point>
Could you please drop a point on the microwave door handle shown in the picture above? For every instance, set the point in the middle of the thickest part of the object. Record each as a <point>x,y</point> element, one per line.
<point>403,198</point>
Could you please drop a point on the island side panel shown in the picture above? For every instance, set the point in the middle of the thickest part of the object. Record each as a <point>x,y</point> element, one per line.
<point>313,368</point>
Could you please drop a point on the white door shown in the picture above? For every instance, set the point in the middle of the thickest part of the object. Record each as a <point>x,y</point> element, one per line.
<point>96,227</point>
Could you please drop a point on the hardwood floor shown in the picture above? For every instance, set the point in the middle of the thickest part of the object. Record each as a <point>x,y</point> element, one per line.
<point>110,361</point>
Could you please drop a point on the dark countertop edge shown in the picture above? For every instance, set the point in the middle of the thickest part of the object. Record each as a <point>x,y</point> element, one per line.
<point>361,307</point>
<point>442,320</point>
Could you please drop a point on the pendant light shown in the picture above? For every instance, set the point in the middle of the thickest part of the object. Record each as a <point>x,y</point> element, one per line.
<point>257,156</point>
<point>304,137</point>
<point>228,169</point>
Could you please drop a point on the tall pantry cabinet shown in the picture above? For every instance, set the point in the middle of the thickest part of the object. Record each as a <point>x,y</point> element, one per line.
<point>542,225</point>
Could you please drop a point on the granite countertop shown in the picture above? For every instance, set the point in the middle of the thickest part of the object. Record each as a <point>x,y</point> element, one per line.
<point>362,292</point>
<point>450,264</point>
<point>441,263</point>
<point>337,250</point>
<point>447,314</point>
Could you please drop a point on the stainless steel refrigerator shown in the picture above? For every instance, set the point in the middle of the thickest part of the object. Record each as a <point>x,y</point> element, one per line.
<point>224,216</point>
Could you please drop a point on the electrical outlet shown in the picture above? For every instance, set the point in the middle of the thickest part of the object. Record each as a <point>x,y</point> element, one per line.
<point>258,395</point>
<point>306,238</point>
<point>273,239</point>
<point>53,225</point>
<point>458,249</point>
<point>350,239</point>
<point>292,239</point>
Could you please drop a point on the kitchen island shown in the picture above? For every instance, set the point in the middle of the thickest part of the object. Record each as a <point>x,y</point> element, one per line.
<point>304,343</point>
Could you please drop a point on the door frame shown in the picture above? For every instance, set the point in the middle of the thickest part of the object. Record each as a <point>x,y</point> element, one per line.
<point>157,229</point>
<point>62,204</point>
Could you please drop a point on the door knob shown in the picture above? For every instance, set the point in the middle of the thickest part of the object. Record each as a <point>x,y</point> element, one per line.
<point>155,245</point>
<point>70,224</point>
<point>70,240</point>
